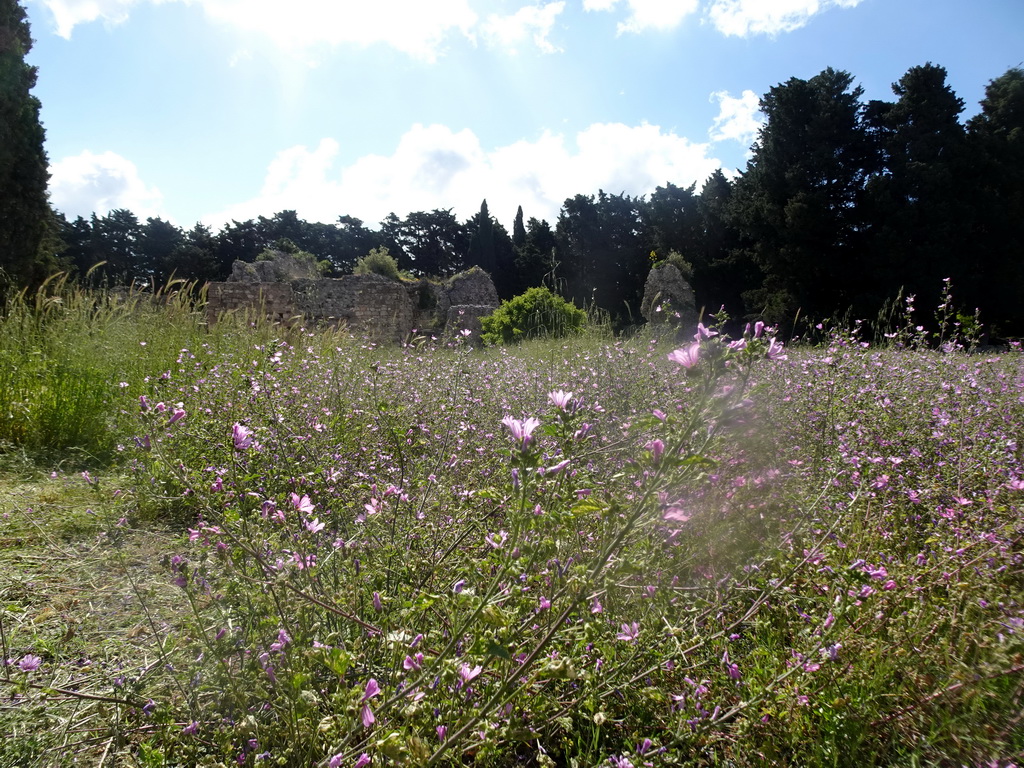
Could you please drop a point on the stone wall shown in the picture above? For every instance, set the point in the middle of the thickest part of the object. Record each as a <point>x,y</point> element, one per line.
<point>369,305</point>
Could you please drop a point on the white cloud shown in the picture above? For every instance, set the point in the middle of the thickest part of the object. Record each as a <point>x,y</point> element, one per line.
<point>67,14</point>
<point>647,14</point>
<point>415,27</point>
<point>87,183</point>
<point>738,119</point>
<point>530,23</point>
<point>436,167</point>
<point>741,18</point>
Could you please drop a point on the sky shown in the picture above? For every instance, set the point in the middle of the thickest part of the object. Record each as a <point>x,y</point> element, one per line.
<point>218,110</point>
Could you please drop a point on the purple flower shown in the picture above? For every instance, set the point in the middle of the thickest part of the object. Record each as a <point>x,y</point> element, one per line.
<point>629,632</point>
<point>560,399</point>
<point>29,663</point>
<point>335,761</point>
<point>686,356</point>
<point>522,431</point>
<point>242,436</point>
<point>314,525</point>
<point>363,759</point>
<point>304,505</point>
<point>775,350</point>
<point>177,415</point>
<point>468,673</point>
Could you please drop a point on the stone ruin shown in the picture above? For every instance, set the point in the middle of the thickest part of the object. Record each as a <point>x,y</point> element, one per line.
<point>669,299</point>
<point>288,290</point>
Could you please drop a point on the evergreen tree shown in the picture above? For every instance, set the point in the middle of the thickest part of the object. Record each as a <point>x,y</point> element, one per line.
<point>158,239</point>
<point>24,210</point>
<point>518,229</point>
<point>915,202</point>
<point>996,140</point>
<point>797,201</point>
<point>481,241</point>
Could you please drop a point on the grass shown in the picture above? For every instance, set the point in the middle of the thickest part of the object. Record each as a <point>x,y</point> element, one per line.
<point>273,546</point>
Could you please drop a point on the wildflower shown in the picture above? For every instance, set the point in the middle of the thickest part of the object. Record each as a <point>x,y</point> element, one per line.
<point>522,431</point>
<point>242,436</point>
<point>442,731</point>
<point>686,356</point>
<point>413,663</point>
<point>363,759</point>
<point>29,663</point>
<point>314,525</point>
<point>372,689</point>
<point>554,469</point>
<point>143,403</point>
<point>283,638</point>
<point>377,605</point>
<point>560,399</point>
<point>543,603</point>
<point>468,673</point>
<point>629,632</point>
<point>303,504</point>
<point>177,415</point>
<point>775,350</point>
<point>335,761</point>
<point>656,448</point>
<point>191,729</point>
<point>595,606</point>
<point>458,586</point>
<point>703,332</point>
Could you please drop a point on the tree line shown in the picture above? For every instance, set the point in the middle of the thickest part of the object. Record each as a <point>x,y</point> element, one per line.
<point>843,204</point>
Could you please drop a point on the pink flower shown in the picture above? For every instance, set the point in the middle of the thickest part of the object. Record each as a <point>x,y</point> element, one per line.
<point>242,437</point>
<point>686,356</point>
<point>560,399</point>
<point>178,415</point>
<point>704,333</point>
<point>372,689</point>
<point>304,505</point>
<point>413,663</point>
<point>29,663</point>
<point>314,525</point>
<point>629,632</point>
<point>468,673</point>
<point>363,759</point>
<point>775,350</point>
<point>522,431</point>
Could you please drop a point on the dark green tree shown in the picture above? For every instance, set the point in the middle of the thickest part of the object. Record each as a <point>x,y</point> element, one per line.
<point>796,203</point>
<point>722,271</point>
<point>915,201</point>
<point>435,242</point>
<point>25,216</point>
<point>158,239</point>
<point>603,253</point>
<point>116,241</point>
<point>519,229</point>
<point>194,258</point>
<point>996,140</point>
<point>480,229</point>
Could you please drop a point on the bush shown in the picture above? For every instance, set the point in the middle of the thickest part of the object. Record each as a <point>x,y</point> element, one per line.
<point>533,314</point>
<point>378,262</point>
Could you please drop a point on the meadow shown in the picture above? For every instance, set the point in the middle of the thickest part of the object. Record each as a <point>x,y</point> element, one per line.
<point>254,545</point>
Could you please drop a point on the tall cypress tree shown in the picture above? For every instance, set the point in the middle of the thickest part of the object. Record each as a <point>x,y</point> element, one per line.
<point>24,210</point>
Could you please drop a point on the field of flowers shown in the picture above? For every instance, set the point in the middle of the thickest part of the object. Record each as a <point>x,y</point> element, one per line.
<point>291,548</point>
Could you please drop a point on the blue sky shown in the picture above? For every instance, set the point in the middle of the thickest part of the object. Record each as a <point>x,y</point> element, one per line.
<point>213,110</point>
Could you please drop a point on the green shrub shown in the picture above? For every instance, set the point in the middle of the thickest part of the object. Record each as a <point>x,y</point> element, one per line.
<point>378,262</point>
<point>533,314</point>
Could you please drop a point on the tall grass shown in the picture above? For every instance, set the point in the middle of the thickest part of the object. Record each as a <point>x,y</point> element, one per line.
<point>72,359</point>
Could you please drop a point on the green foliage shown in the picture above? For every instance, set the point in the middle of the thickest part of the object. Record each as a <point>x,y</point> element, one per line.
<point>378,262</point>
<point>25,213</point>
<point>677,260</point>
<point>533,314</point>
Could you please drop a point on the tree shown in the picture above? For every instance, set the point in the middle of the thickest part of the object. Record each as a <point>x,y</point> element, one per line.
<point>796,203</point>
<point>915,201</point>
<point>25,214</point>
<point>435,242</point>
<point>481,241</point>
<point>158,239</point>
<point>116,240</point>
<point>194,258</point>
<point>996,141</point>
<point>518,229</point>
<point>603,250</point>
